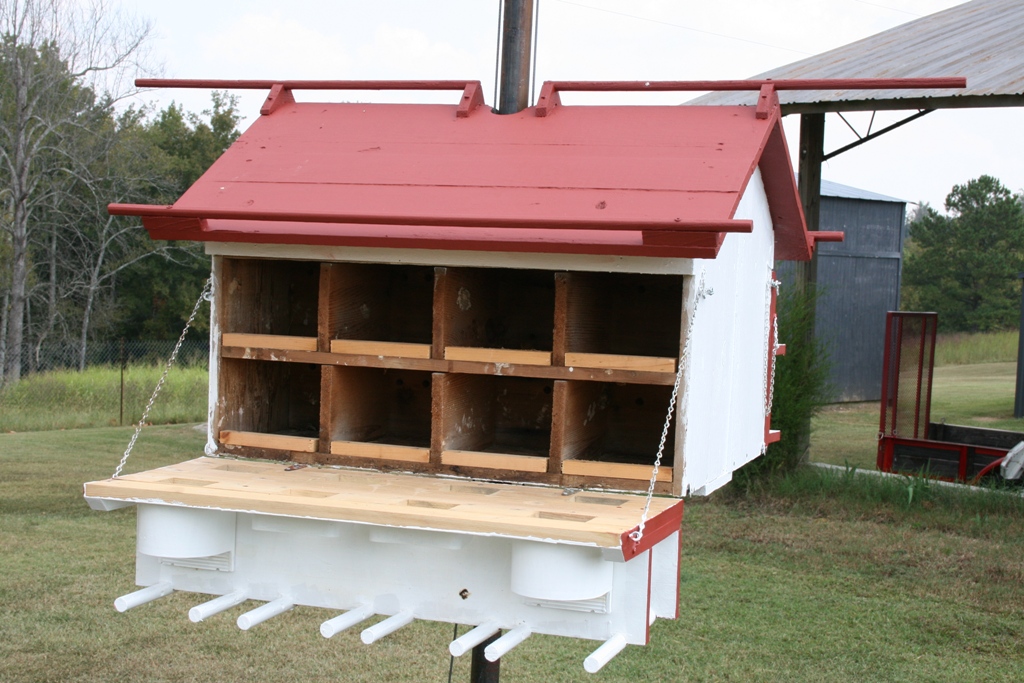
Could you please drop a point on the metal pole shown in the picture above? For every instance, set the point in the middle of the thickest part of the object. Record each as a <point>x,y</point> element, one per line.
<point>120,419</point>
<point>516,35</point>
<point>1018,400</point>
<point>513,96</point>
<point>481,670</point>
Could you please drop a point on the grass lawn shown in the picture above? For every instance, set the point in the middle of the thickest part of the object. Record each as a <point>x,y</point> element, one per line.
<point>819,577</point>
<point>67,399</point>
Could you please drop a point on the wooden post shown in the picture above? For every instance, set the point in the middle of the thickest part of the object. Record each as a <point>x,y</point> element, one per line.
<point>812,153</point>
<point>120,419</point>
<point>1018,401</point>
<point>516,39</point>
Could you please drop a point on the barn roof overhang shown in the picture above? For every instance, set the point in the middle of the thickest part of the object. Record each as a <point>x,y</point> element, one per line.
<point>626,180</point>
<point>978,40</point>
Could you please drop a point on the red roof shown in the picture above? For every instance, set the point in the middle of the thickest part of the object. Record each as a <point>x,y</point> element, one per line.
<point>630,180</point>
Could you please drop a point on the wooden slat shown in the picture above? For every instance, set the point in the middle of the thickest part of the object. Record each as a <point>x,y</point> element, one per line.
<point>324,315</point>
<point>495,461</point>
<point>384,498</point>
<point>380,451</point>
<point>620,362</point>
<point>268,341</point>
<point>302,444</point>
<point>614,470</point>
<point>456,366</point>
<point>361,347</point>
<point>509,356</point>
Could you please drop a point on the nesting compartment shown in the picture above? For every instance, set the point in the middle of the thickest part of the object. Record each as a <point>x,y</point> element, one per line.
<point>551,377</point>
<point>269,405</point>
<point>379,413</point>
<point>269,304</point>
<point>621,320</point>
<point>378,309</point>
<point>496,315</point>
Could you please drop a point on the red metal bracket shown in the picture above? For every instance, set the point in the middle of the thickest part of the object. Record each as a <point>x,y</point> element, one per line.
<point>827,235</point>
<point>548,99</point>
<point>466,220</point>
<point>278,97</point>
<point>472,97</point>
<point>656,529</point>
<point>767,101</point>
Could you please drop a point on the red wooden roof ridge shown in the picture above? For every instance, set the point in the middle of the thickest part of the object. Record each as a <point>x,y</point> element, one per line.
<point>647,181</point>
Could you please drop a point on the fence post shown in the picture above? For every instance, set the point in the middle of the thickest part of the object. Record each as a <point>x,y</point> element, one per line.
<point>120,419</point>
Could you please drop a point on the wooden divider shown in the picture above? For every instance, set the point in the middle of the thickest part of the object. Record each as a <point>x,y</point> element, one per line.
<point>525,375</point>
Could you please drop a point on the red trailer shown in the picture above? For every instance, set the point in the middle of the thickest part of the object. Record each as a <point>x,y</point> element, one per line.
<point>908,442</point>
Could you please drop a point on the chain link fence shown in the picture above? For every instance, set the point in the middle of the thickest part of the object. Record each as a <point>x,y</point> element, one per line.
<point>113,388</point>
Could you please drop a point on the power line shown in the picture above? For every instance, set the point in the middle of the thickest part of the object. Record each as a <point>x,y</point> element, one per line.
<point>685,28</point>
<point>893,9</point>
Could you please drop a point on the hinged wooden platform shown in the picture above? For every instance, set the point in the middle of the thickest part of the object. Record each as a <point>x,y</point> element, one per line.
<point>402,500</point>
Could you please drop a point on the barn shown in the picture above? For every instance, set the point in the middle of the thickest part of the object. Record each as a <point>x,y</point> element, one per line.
<point>858,282</point>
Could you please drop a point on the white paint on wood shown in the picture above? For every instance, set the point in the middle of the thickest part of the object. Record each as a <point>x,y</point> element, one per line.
<point>456,258</point>
<point>724,399</point>
<point>213,415</point>
<point>467,584</point>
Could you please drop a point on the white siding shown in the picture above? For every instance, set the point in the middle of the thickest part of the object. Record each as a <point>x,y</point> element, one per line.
<point>724,400</point>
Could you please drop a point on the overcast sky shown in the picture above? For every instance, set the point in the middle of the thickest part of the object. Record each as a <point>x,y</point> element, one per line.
<point>584,39</point>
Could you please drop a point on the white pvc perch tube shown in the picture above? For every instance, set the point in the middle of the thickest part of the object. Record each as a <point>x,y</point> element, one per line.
<point>264,612</point>
<point>501,646</point>
<point>141,597</point>
<point>215,606</point>
<point>470,640</point>
<point>333,627</point>
<point>389,625</point>
<point>604,654</point>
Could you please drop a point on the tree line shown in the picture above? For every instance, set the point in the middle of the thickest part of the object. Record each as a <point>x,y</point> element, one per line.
<point>69,272</point>
<point>965,264</point>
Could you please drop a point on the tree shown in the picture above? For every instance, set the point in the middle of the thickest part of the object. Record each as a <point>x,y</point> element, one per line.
<point>964,265</point>
<point>155,297</point>
<point>54,54</point>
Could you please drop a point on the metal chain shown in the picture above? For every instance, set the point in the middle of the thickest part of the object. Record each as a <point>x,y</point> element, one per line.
<point>204,296</point>
<point>702,293</point>
<point>775,357</point>
<point>771,326</point>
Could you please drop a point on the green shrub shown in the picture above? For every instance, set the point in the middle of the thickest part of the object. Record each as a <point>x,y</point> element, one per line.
<point>801,387</point>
